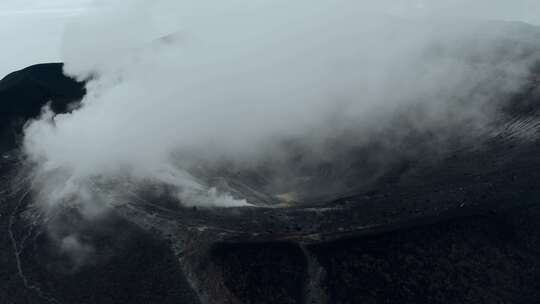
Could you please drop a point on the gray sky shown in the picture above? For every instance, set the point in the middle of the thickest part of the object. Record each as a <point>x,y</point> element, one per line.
<point>31,30</point>
<point>516,10</point>
<point>41,5</point>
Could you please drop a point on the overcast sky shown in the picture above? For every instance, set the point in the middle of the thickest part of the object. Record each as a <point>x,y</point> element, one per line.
<point>31,30</point>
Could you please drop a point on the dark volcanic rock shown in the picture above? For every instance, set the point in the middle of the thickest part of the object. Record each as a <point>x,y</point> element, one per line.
<point>126,265</point>
<point>472,260</point>
<point>477,259</point>
<point>271,273</point>
<point>24,93</point>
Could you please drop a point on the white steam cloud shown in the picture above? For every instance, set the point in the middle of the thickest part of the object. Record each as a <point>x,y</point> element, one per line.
<point>176,87</point>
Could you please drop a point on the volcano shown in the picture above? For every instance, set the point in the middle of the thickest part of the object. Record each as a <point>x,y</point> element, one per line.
<point>461,227</point>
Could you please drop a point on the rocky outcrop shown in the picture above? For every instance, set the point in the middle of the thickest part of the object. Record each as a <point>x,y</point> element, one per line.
<point>24,93</point>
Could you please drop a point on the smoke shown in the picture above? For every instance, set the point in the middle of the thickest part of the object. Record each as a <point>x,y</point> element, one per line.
<point>180,92</point>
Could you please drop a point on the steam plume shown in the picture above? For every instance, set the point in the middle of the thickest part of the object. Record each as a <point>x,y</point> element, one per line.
<point>175,87</point>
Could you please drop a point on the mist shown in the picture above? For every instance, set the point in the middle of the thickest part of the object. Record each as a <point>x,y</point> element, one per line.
<point>177,89</point>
